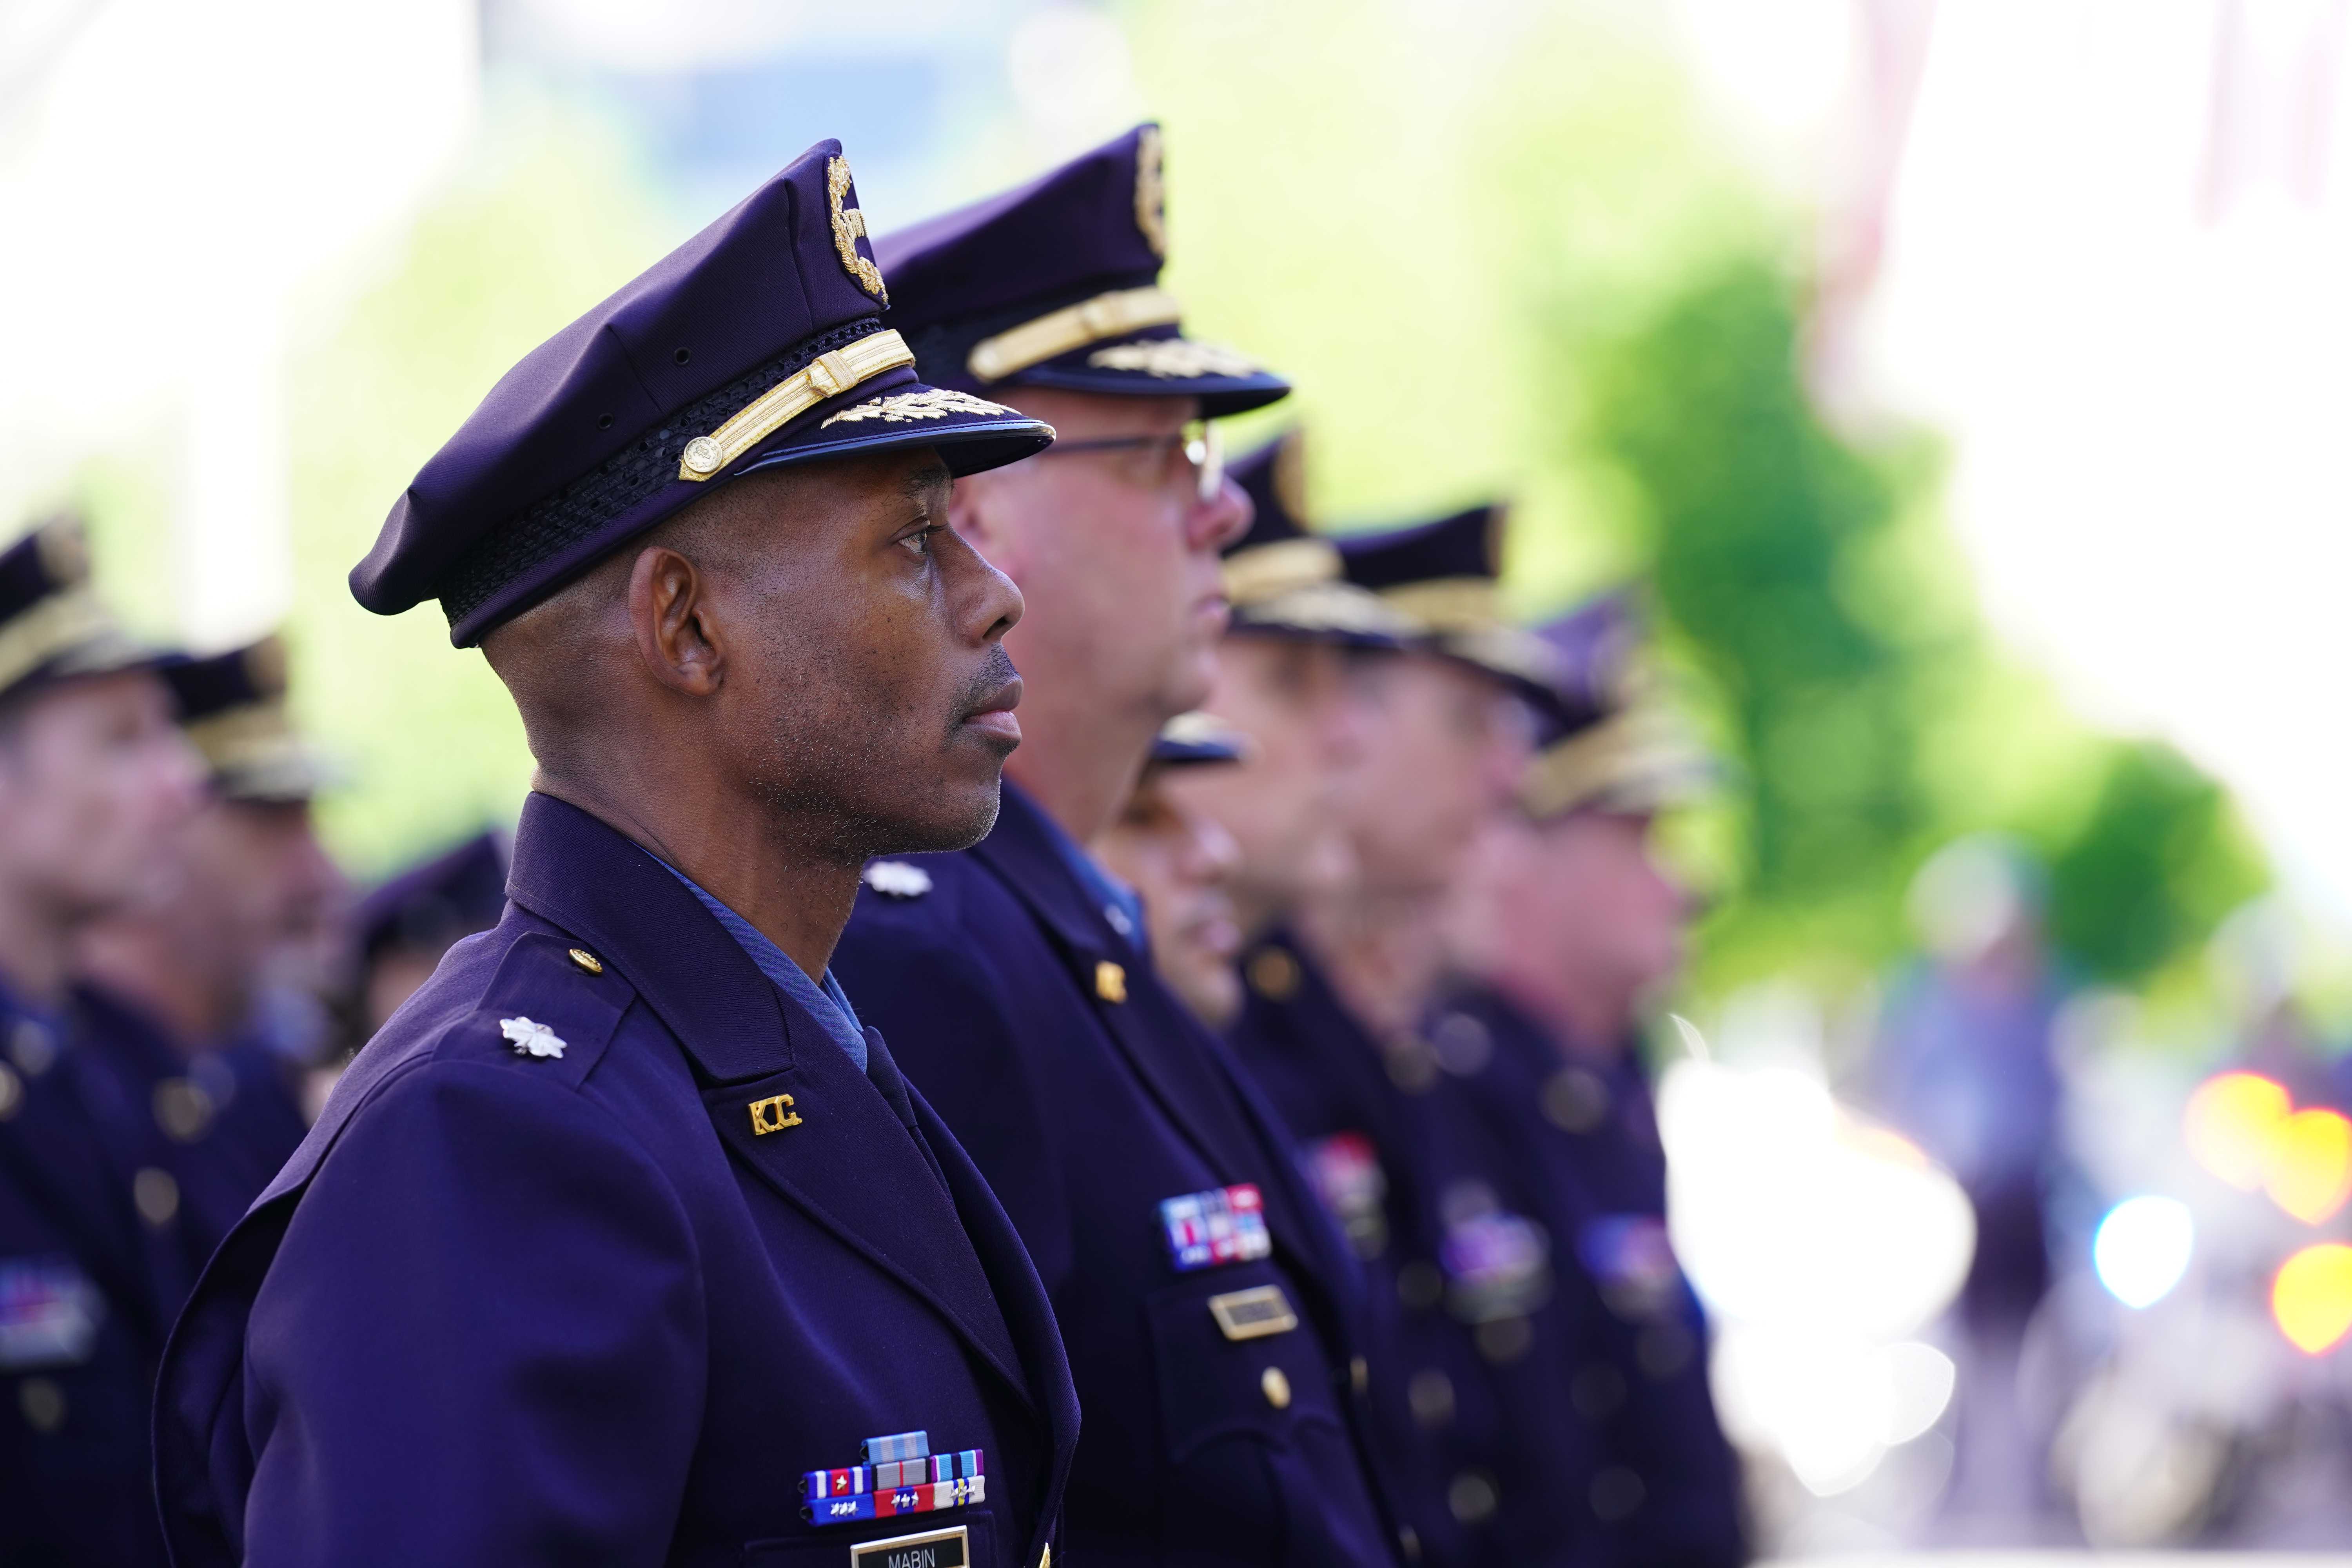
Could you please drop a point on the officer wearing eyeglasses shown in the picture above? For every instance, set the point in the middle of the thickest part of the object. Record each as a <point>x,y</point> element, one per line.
<point>1206,1303</point>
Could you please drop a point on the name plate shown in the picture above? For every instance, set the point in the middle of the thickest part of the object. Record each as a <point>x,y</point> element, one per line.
<point>1253,1314</point>
<point>930,1549</point>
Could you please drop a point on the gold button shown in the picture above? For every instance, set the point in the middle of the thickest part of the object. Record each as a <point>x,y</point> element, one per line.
<point>155,1195</point>
<point>1273,975</point>
<point>587,960</point>
<point>1110,981</point>
<point>1359,1374</point>
<point>1275,1387</point>
<point>703,456</point>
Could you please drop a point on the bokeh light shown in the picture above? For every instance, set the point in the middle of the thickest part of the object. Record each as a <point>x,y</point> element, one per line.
<point>2311,1298</point>
<point>2309,1170</point>
<point>2141,1249</point>
<point>2229,1123</point>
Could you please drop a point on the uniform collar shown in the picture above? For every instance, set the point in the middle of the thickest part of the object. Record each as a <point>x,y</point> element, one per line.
<point>1085,905</point>
<point>826,1001</point>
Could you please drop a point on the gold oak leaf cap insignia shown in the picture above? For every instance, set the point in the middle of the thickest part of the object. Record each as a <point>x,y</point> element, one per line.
<point>848,228</point>
<point>1150,192</point>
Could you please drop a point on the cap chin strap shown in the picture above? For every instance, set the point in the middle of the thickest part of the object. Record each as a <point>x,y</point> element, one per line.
<point>1049,336</point>
<point>828,376</point>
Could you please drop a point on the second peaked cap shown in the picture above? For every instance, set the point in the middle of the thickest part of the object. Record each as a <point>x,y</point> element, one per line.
<point>1056,284</point>
<point>757,343</point>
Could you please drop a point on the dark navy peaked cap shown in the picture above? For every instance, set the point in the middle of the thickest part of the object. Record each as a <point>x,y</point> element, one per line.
<point>1282,578</point>
<point>758,342</point>
<point>233,706</point>
<point>52,626</point>
<point>1441,577</point>
<point>429,906</point>
<point>1611,742</point>
<point>1198,737</point>
<point>1058,284</point>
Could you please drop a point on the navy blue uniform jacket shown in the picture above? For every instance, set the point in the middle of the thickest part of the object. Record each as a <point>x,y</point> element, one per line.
<point>1086,1110</point>
<point>513,1309</point>
<point>1474,1389</point>
<point>87,1291</point>
<point>1588,1134</point>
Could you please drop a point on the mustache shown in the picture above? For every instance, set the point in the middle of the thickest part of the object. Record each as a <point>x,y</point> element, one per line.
<point>986,681</point>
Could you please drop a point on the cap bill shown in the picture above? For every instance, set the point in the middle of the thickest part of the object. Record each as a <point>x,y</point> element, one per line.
<point>1162,364</point>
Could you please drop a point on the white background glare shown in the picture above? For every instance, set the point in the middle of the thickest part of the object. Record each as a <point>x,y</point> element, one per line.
<point>2142,1249</point>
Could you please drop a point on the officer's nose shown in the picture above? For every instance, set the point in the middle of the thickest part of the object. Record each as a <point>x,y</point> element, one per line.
<point>1219,519</point>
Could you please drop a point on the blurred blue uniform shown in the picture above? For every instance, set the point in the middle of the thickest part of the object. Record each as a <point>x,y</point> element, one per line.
<point>580,1306</point>
<point>86,1291</point>
<point>1461,1277</point>
<point>1668,1484</point>
<point>1089,1097</point>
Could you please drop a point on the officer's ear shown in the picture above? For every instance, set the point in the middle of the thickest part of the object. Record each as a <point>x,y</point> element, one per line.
<point>670,618</point>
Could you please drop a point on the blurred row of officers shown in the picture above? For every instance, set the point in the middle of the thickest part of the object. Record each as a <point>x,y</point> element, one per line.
<point>1172,1104</point>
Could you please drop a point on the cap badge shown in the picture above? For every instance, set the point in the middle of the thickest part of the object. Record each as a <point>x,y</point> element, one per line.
<point>773,1114</point>
<point>896,879</point>
<point>848,228</point>
<point>932,403</point>
<point>1176,357</point>
<point>1150,196</point>
<point>530,1040</point>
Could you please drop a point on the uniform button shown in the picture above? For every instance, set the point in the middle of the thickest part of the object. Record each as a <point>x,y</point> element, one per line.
<point>1110,981</point>
<point>183,1110</point>
<point>156,1196</point>
<point>587,960</point>
<point>42,1404</point>
<point>1664,1349</point>
<point>1275,1387</point>
<point>1463,1046</point>
<point>1504,1340</point>
<point>12,1092</point>
<point>1472,1497</point>
<point>32,1047</point>
<point>1273,975</point>
<point>1616,1493</point>
<point>1597,1392</point>
<point>1420,1285</point>
<point>1430,1393</point>
<point>1409,1542</point>
<point>1575,1100</point>
<point>1360,1374</point>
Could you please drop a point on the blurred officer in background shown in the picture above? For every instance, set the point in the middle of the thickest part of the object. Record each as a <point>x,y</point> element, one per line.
<point>1965,1064</point>
<point>1580,925</point>
<point>95,784</point>
<point>623,1243</point>
<point>404,925</point>
<point>1208,1313</point>
<point>1180,863</point>
<point>174,981</point>
<point>1472,1383</point>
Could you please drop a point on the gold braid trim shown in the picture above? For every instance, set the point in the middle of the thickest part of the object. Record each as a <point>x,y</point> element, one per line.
<point>1111,315</point>
<point>50,629</point>
<point>1638,758</point>
<point>828,376</point>
<point>931,403</point>
<point>1448,604</point>
<point>1265,570</point>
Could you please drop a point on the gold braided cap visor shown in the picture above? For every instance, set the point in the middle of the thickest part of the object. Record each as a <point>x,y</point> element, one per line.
<point>71,633</point>
<point>1637,759</point>
<point>827,376</point>
<point>1464,617</point>
<point>1325,608</point>
<point>1284,567</point>
<point>254,752</point>
<point>1056,333</point>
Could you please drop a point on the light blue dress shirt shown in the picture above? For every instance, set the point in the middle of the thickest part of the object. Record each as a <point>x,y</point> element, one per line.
<point>827,1004</point>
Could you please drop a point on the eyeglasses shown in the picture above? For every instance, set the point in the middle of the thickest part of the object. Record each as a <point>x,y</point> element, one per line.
<point>1196,453</point>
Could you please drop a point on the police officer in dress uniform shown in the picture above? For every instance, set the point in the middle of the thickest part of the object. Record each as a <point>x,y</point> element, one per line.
<point>1444,1225</point>
<point>1579,925</point>
<point>173,984</point>
<point>1206,1308</point>
<point>95,783</point>
<point>1180,863</point>
<point>405,923</point>
<point>623,1242</point>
